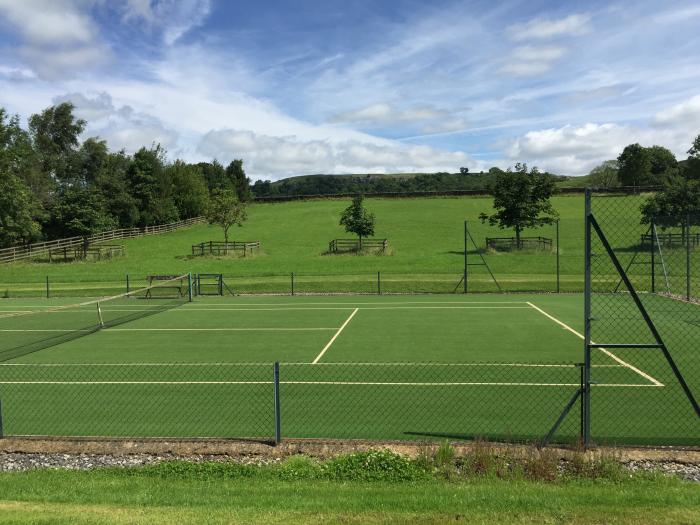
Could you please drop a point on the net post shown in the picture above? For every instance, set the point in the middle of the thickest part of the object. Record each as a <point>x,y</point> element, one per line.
<point>292,282</point>
<point>586,400</point>
<point>221,284</point>
<point>189,287</point>
<point>558,265</point>
<point>128,288</point>
<point>379,283</point>
<point>278,418</point>
<point>99,315</point>
<point>48,291</point>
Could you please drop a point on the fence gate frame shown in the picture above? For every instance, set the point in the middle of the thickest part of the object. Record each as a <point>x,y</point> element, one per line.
<point>592,226</point>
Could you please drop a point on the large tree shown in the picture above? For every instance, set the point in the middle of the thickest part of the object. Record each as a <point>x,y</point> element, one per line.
<point>239,181</point>
<point>80,212</point>
<point>634,166</point>
<point>521,200</point>
<point>357,219</point>
<point>604,175</point>
<point>226,210</point>
<point>17,211</point>
<point>151,187</point>
<point>55,133</point>
<point>191,193</point>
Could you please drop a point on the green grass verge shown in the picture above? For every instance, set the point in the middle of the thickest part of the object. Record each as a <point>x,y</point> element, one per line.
<point>362,488</point>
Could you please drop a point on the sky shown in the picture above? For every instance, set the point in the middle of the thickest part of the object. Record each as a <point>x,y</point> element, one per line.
<point>362,86</point>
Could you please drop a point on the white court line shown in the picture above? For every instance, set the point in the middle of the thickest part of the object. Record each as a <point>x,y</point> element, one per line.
<point>283,309</point>
<point>352,383</point>
<point>319,356</point>
<point>215,363</point>
<point>174,330</point>
<point>348,304</point>
<point>605,351</point>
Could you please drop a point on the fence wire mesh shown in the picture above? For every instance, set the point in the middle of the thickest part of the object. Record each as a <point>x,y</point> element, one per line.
<point>647,300</point>
<point>424,402</point>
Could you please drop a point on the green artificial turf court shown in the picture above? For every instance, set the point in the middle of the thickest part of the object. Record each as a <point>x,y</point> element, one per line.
<point>365,367</point>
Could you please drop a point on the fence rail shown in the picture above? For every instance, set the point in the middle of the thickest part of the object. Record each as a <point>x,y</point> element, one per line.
<point>349,245</point>
<point>28,251</point>
<point>513,243</point>
<point>224,248</point>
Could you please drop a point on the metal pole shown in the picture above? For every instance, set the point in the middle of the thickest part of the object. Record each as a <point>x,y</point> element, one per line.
<point>48,292</point>
<point>2,432</point>
<point>292,283</point>
<point>687,257</point>
<point>128,289</point>
<point>379,283</point>
<point>465,256</point>
<point>278,418</point>
<point>586,430</point>
<point>189,287</point>
<point>652,232</point>
<point>558,279</point>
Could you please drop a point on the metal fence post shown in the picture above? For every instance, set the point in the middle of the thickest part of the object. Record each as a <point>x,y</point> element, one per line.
<point>652,231</point>
<point>278,418</point>
<point>292,283</point>
<point>2,431</point>
<point>558,271</point>
<point>465,256</point>
<point>127,285</point>
<point>586,401</point>
<point>189,287</point>
<point>379,284</point>
<point>687,257</point>
<point>48,291</point>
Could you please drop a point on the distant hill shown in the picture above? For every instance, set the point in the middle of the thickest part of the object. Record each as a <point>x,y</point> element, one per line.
<point>369,183</point>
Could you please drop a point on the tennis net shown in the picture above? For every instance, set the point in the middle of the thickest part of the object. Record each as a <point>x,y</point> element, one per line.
<point>24,330</point>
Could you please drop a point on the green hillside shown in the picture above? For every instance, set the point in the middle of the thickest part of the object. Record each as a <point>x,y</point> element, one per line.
<point>425,234</point>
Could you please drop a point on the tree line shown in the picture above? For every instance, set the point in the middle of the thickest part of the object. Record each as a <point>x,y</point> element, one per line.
<point>54,185</point>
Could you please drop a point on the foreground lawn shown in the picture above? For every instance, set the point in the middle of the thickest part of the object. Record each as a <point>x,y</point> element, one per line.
<point>113,496</point>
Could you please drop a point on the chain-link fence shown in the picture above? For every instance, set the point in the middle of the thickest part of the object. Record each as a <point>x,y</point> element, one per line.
<point>512,402</point>
<point>643,324</point>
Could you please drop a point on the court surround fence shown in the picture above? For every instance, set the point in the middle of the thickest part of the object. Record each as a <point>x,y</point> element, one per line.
<point>270,402</point>
<point>641,309</point>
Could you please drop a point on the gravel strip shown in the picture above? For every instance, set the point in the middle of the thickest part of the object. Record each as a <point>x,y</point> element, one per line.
<point>18,462</point>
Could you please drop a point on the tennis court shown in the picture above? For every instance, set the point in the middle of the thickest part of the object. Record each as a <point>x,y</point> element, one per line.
<point>363,367</point>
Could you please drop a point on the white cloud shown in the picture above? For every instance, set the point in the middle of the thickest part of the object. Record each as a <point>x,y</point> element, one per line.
<point>532,60</point>
<point>386,114</point>
<point>174,17</point>
<point>545,28</point>
<point>275,156</point>
<point>686,115</point>
<point>58,36</point>
<point>445,126</point>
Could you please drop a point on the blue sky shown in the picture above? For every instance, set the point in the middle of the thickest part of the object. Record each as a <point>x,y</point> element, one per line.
<point>306,86</point>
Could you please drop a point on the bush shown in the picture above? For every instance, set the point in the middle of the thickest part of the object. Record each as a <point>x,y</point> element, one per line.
<point>380,465</point>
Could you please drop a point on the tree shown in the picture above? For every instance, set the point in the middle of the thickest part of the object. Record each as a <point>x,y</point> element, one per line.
<point>226,210</point>
<point>691,169</point>
<point>239,181</point>
<point>191,193</point>
<point>604,175</point>
<point>357,219</point>
<point>55,133</point>
<point>634,166</point>
<point>663,162</point>
<point>112,182</point>
<point>151,187</point>
<point>17,209</point>
<point>464,171</point>
<point>80,212</point>
<point>521,200</point>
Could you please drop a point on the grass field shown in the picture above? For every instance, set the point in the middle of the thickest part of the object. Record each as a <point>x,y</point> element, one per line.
<point>288,493</point>
<point>374,367</point>
<point>425,235</point>
<point>123,496</point>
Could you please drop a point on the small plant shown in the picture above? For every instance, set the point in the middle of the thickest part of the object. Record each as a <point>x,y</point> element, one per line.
<point>299,467</point>
<point>6,294</point>
<point>444,461</point>
<point>381,465</point>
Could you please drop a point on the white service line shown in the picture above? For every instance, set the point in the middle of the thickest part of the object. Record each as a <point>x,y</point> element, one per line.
<point>351,383</point>
<point>605,351</point>
<point>319,356</point>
